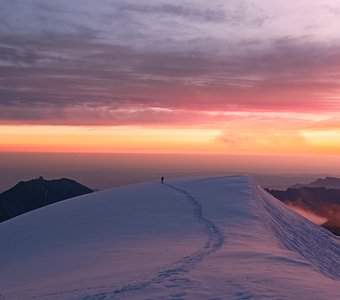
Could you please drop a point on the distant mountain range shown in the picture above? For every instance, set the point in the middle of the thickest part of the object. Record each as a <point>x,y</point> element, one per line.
<point>328,183</point>
<point>36,193</point>
<point>321,198</point>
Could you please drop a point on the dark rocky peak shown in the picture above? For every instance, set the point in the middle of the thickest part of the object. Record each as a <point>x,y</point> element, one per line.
<point>29,195</point>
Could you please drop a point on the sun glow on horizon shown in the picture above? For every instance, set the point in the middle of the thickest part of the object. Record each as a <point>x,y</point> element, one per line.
<point>112,139</point>
<point>240,139</point>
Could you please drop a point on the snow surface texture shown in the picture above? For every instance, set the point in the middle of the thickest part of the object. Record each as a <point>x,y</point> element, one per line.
<point>210,238</point>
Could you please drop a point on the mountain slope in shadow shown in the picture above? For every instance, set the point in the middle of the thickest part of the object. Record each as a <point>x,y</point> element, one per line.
<point>318,201</point>
<point>36,193</point>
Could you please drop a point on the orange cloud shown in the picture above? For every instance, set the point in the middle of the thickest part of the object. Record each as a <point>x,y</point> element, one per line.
<point>309,215</point>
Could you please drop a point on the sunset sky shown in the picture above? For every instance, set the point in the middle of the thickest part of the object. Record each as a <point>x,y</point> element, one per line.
<point>191,76</point>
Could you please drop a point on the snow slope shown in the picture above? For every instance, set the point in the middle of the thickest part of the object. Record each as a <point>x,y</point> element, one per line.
<point>207,238</point>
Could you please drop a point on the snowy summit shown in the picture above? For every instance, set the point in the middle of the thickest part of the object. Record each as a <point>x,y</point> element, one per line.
<point>210,238</point>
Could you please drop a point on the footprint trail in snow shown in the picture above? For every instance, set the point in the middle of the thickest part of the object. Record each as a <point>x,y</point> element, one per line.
<point>214,243</point>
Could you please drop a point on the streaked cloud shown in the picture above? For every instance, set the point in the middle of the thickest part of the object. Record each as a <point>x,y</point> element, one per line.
<point>113,62</point>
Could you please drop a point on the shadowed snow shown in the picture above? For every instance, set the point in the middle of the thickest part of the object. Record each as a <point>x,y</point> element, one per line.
<point>217,238</point>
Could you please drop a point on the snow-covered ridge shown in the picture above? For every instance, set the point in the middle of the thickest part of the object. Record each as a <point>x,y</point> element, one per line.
<point>317,246</point>
<point>220,238</point>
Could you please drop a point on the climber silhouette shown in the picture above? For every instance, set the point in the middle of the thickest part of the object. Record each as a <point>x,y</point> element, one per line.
<point>162,179</point>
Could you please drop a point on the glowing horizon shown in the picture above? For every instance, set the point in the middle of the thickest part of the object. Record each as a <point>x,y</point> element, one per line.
<point>144,139</point>
<point>224,77</point>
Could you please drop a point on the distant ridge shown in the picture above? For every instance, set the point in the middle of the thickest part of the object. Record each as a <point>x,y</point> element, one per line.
<point>36,193</point>
<point>328,183</point>
<point>321,197</point>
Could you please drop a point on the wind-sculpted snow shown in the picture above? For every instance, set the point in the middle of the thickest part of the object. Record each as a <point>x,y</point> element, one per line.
<point>316,245</point>
<point>206,238</point>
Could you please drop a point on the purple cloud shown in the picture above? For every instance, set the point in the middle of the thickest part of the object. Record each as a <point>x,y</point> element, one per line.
<point>128,57</point>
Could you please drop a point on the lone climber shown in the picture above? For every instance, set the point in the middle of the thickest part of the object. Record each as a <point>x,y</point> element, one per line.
<point>162,179</point>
